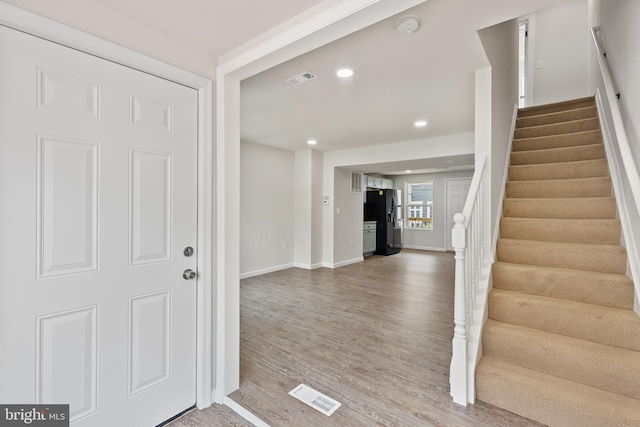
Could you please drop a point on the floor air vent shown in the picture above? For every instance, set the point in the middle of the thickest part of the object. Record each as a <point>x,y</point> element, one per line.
<point>315,399</point>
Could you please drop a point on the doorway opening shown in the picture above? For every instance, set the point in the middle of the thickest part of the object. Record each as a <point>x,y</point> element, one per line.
<point>523,59</point>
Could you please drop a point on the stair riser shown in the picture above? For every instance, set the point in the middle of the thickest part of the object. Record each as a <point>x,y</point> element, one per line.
<point>562,343</point>
<point>558,117</point>
<point>572,170</point>
<point>610,290</point>
<point>558,141</point>
<point>603,325</point>
<point>600,207</point>
<point>587,187</point>
<point>550,400</point>
<point>576,231</point>
<point>558,155</point>
<point>557,128</point>
<point>608,368</point>
<point>556,107</point>
<point>588,257</point>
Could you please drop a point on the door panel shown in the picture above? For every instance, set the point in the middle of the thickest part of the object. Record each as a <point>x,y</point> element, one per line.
<point>150,205</point>
<point>98,183</point>
<point>67,221</point>
<point>67,360</point>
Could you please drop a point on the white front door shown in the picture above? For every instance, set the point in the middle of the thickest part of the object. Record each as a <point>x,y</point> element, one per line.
<point>457,190</point>
<point>98,202</point>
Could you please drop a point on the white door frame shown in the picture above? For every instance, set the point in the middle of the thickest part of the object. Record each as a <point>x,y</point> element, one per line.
<point>19,19</point>
<point>322,24</point>
<point>529,63</point>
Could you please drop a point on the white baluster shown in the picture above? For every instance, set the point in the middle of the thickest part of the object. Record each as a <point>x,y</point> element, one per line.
<point>458,378</point>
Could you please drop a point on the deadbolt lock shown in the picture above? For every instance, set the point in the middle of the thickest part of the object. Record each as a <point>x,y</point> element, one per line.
<point>188,251</point>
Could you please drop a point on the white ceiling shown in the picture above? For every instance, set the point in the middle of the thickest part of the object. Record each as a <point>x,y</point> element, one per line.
<point>215,26</point>
<point>398,78</point>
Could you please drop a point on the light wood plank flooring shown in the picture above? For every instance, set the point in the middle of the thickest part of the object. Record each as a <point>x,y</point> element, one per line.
<point>375,336</point>
<point>215,415</point>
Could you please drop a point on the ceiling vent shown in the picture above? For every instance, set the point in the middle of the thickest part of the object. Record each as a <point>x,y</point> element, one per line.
<point>304,77</point>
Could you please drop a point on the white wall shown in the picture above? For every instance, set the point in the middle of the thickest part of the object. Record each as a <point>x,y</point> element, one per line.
<point>266,208</point>
<point>618,20</point>
<point>97,18</point>
<point>308,209</point>
<point>501,46</point>
<point>334,251</point>
<point>348,217</point>
<point>434,240</point>
<point>317,209</point>
<point>561,43</point>
<point>302,209</point>
<point>619,32</point>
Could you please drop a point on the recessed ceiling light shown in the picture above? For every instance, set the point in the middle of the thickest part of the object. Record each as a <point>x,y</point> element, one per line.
<point>420,123</point>
<point>407,171</point>
<point>344,72</point>
<point>312,142</point>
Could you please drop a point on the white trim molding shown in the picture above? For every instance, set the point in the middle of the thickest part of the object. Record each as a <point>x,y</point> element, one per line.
<point>320,25</point>
<point>30,23</point>
<point>345,263</point>
<point>424,248</point>
<point>308,266</point>
<point>244,413</point>
<point>265,271</point>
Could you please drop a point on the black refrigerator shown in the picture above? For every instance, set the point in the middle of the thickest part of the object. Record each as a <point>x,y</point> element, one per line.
<point>383,206</point>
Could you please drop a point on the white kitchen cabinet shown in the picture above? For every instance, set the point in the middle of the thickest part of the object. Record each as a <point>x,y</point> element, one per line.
<point>369,238</point>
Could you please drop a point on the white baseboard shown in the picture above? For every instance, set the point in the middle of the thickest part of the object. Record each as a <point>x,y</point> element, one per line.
<point>424,248</point>
<point>343,263</point>
<point>244,413</point>
<point>307,266</point>
<point>265,271</point>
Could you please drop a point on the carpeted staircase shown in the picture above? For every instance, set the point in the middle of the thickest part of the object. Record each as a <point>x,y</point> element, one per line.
<point>562,342</point>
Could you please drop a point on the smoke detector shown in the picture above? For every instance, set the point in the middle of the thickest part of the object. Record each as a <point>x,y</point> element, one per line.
<point>407,24</point>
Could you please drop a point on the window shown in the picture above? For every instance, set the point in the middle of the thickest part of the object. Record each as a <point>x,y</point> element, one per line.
<point>420,206</point>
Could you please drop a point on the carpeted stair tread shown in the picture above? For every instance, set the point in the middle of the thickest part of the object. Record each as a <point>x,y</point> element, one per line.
<point>605,325</point>
<point>557,117</point>
<point>548,399</point>
<point>535,110</point>
<point>607,289</point>
<point>567,170</point>
<point>562,341</point>
<point>597,257</point>
<point>609,368</point>
<point>562,230</point>
<point>557,141</point>
<point>574,187</point>
<point>580,125</point>
<point>558,155</point>
<point>584,207</point>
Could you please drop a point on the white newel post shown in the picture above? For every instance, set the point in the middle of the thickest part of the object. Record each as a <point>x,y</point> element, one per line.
<point>458,373</point>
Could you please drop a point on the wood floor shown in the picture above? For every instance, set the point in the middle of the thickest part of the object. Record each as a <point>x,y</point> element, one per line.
<point>376,336</point>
